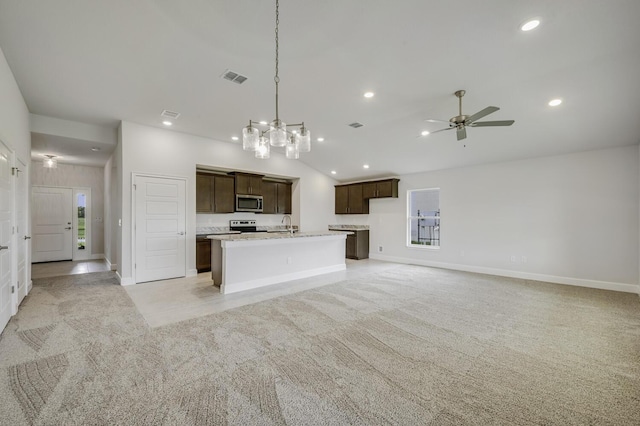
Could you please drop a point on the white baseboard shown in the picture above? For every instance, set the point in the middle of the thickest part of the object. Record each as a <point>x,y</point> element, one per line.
<point>192,272</point>
<point>580,282</point>
<point>111,266</point>
<point>125,281</point>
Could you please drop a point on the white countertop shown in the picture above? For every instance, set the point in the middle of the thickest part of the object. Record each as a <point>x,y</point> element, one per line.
<point>274,235</point>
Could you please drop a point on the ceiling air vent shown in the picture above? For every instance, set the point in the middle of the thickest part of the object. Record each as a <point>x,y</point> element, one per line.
<point>170,114</point>
<point>356,125</point>
<point>234,77</point>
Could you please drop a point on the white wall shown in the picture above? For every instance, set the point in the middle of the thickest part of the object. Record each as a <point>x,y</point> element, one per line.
<point>74,176</point>
<point>99,135</point>
<point>574,217</point>
<point>14,115</point>
<point>163,152</point>
<point>109,200</point>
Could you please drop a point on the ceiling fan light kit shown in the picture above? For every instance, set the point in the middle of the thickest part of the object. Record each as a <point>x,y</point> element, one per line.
<point>461,121</point>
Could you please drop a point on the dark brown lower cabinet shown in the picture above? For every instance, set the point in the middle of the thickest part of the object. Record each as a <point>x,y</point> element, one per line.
<point>203,254</point>
<point>358,245</point>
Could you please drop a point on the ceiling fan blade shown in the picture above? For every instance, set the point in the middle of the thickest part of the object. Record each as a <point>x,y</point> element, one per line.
<point>435,120</point>
<point>441,130</point>
<point>493,123</point>
<point>461,133</point>
<point>488,110</point>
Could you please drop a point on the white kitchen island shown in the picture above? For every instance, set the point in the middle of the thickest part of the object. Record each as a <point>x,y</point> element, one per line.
<point>245,261</point>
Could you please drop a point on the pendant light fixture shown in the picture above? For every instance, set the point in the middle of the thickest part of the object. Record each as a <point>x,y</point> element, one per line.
<point>50,162</point>
<point>277,135</point>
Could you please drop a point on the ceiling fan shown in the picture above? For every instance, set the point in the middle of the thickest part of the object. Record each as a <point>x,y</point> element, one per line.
<point>461,122</point>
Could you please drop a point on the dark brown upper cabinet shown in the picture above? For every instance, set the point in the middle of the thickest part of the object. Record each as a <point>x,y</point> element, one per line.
<point>204,193</point>
<point>354,198</point>
<point>276,197</point>
<point>349,200</point>
<point>214,193</point>
<point>387,188</point>
<point>224,200</point>
<point>248,184</point>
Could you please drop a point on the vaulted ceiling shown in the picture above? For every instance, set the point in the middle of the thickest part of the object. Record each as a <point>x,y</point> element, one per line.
<point>102,62</point>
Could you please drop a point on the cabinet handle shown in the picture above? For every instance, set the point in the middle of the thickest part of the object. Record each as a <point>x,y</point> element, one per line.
<point>68,228</point>
<point>27,238</point>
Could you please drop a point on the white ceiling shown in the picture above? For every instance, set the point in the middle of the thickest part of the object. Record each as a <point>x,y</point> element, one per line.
<point>102,62</point>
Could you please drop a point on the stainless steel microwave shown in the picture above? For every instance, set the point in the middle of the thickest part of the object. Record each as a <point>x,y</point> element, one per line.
<point>249,203</point>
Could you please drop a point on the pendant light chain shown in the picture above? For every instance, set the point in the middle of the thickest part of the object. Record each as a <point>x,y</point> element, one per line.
<point>277,78</point>
<point>260,141</point>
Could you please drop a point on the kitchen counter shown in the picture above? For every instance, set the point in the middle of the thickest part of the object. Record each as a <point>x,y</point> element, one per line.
<point>348,227</point>
<point>274,235</point>
<point>245,261</point>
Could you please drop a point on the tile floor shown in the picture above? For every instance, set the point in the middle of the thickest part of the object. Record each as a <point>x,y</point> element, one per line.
<point>168,301</point>
<point>55,269</point>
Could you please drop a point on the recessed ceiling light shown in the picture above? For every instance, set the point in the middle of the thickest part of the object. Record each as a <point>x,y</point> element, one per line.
<point>424,133</point>
<point>167,123</point>
<point>369,94</point>
<point>320,139</point>
<point>555,102</point>
<point>366,166</point>
<point>95,149</point>
<point>529,25</point>
<point>333,172</point>
<point>264,123</point>
<point>234,138</point>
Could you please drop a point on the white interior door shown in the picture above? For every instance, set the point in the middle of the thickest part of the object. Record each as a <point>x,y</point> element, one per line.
<point>52,224</point>
<point>21,231</point>
<point>6,210</point>
<point>160,210</point>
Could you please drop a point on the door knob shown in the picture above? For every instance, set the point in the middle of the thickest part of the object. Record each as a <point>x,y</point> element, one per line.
<point>68,228</point>
<point>27,238</point>
<point>180,233</point>
<point>4,247</point>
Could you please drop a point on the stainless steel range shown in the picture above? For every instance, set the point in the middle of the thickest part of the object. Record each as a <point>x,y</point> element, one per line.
<point>244,226</point>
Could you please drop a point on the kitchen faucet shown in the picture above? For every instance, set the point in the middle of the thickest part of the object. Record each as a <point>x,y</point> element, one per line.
<point>290,227</point>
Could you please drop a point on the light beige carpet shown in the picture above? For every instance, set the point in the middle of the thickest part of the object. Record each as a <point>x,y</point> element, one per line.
<point>411,346</point>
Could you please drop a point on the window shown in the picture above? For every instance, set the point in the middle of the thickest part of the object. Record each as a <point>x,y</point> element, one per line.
<point>423,222</point>
<point>82,207</point>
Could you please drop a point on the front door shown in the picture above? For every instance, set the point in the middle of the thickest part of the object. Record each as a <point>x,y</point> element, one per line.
<point>52,220</point>
<point>160,211</point>
<point>6,206</point>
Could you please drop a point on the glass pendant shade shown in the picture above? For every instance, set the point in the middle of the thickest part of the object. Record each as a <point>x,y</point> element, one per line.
<point>261,141</point>
<point>263,151</point>
<point>291,151</point>
<point>250,136</point>
<point>304,140</point>
<point>278,133</point>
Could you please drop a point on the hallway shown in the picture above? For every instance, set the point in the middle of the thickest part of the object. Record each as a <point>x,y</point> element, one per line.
<point>55,269</point>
